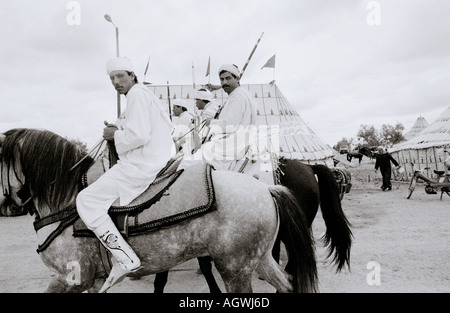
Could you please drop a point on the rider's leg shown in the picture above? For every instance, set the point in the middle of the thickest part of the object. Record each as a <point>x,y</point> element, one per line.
<point>93,204</point>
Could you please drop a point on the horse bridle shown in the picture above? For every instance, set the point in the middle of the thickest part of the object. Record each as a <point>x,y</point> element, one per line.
<point>24,193</point>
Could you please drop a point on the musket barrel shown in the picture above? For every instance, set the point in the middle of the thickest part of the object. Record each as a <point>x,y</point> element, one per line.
<point>251,54</point>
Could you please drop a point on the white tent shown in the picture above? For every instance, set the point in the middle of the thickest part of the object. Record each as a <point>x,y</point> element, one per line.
<point>296,139</point>
<point>426,149</point>
<point>420,124</point>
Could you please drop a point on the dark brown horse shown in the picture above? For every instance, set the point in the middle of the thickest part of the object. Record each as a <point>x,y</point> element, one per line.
<point>324,192</point>
<point>360,153</point>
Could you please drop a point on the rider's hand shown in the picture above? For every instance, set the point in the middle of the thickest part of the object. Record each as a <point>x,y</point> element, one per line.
<point>109,130</point>
<point>208,121</point>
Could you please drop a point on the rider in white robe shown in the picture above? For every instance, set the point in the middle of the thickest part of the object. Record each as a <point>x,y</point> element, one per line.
<point>142,137</point>
<point>233,131</point>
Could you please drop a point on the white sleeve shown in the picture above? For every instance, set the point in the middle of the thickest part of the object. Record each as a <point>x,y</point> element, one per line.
<point>137,127</point>
<point>232,112</point>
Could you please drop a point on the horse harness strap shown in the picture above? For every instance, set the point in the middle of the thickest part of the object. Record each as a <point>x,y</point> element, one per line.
<point>66,218</point>
<point>53,218</point>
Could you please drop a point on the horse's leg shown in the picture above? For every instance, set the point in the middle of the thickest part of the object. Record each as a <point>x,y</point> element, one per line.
<point>59,284</point>
<point>236,275</point>
<point>206,267</point>
<point>56,286</point>
<point>240,284</point>
<point>98,284</point>
<point>274,274</point>
<point>76,260</point>
<point>160,281</point>
<point>276,249</point>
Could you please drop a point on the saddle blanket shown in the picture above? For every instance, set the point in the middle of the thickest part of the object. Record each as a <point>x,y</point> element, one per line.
<point>172,199</point>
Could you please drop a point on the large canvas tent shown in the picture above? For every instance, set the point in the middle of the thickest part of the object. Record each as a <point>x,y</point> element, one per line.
<point>296,139</point>
<point>426,149</point>
<point>420,124</point>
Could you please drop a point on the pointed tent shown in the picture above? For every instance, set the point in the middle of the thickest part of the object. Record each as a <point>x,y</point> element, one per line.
<point>296,141</point>
<point>426,149</point>
<point>420,124</point>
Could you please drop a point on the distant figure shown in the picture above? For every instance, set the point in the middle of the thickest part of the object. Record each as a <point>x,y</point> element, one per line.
<point>183,112</point>
<point>205,103</point>
<point>383,162</point>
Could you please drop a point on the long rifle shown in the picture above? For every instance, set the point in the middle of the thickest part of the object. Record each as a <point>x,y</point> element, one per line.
<point>251,54</point>
<point>168,98</point>
<point>146,68</point>
<point>193,76</point>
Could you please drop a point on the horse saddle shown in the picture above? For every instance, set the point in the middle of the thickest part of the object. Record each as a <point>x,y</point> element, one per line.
<point>174,196</point>
<point>261,165</point>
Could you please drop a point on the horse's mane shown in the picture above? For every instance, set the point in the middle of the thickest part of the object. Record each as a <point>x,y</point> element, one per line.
<point>45,160</point>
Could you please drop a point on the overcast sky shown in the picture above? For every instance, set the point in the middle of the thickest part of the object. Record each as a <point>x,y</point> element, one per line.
<point>341,64</point>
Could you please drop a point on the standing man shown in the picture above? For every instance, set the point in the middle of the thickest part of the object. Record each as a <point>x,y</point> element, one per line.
<point>383,162</point>
<point>142,137</point>
<point>233,129</point>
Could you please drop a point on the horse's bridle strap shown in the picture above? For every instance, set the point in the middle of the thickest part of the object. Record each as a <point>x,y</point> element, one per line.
<point>69,212</point>
<point>61,227</point>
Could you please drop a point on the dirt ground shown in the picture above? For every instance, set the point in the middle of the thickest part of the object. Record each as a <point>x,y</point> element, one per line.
<point>400,246</point>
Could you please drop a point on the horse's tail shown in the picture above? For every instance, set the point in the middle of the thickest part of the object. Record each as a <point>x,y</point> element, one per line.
<point>338,236</point>
<point>298,240</point>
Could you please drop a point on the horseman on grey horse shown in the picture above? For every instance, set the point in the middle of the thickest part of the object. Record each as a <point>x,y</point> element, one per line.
<point>142,138</point>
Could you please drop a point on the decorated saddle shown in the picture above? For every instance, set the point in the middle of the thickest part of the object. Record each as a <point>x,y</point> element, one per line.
<point>174,196</point>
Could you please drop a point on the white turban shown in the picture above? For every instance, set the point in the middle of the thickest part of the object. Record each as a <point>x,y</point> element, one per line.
<point>185,104</point>
<point>231,69</point>
<point>119,64</point>
<point>203,95</point>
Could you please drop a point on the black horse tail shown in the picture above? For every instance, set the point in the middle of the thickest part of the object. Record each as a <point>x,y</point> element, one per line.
<point>338,236</point>
<point>298,240</point>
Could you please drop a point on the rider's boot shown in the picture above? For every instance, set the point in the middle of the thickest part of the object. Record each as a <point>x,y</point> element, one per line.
<point>124,259</point>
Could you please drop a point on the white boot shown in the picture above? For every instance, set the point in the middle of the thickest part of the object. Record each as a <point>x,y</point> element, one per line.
<point>124,259</point>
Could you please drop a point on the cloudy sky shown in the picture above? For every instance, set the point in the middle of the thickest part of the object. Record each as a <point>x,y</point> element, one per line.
<point>341,64</point>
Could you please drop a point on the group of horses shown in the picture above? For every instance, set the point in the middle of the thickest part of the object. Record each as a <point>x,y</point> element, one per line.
<point>359,153</point>
<point>241,235</point>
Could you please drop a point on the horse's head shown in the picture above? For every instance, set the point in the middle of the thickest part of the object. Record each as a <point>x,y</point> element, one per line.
<point>38,164</point>
<point>12,178</point>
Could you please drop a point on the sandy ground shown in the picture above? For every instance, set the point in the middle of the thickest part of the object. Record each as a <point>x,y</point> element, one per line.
<point>399,245</point>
